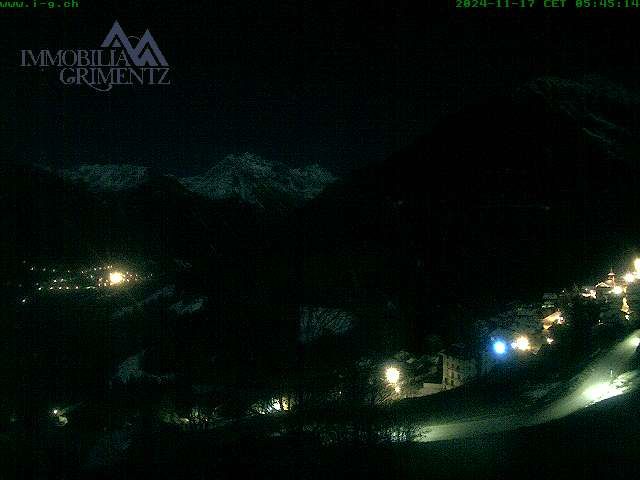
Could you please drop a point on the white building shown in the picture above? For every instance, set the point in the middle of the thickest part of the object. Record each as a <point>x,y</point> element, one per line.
<point>460,365</point>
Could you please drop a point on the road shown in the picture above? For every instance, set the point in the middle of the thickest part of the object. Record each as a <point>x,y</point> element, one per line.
<point>606,376</point>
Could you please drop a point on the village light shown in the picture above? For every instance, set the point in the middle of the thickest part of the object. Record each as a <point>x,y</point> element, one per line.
<point>499,347</point>
<point>60,418</point>
<point>521,343</point>
<point>617,290</point>
<point>636,265</point>
<point>629,277</point>
<point>280,404</point>
<point>392,374</point>
<point>115,278</point>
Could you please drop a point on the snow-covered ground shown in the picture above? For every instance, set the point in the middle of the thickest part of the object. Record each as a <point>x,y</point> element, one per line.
<point>165,292</point>
<point>131,371</point>
<point>184,307</point>
<point>608,375</point>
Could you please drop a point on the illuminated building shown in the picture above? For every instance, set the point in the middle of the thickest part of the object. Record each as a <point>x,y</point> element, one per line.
<point>460,365</point>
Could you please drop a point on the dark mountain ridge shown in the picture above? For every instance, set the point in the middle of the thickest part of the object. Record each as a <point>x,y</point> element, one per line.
<point>520,194</point>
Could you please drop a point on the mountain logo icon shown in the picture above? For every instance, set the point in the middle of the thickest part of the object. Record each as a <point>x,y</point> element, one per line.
<point>146,53</point>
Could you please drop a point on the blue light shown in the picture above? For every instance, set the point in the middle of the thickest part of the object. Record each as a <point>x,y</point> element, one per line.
<point>499,347</point>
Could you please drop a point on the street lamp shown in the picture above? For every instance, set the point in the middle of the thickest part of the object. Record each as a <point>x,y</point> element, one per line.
<point>392,374</point>
<point>521,343</point>
<point>499,347</point>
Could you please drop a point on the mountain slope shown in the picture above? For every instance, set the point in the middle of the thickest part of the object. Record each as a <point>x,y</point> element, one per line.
<point>507,198</point>
<point>246,177</point>
<point>46,216</point>
<point>255,180</point>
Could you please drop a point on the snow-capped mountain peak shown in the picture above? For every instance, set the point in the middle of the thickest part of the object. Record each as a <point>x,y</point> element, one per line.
<point>246,177</point>
<point>256,180</point>
<point>109,177</point>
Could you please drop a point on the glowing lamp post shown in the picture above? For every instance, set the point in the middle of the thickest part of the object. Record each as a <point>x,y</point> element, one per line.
<point>499,347</point>
<point>521,343</point>
<point>392,374</point>
<point>115,278</point>
<point>59,417</point>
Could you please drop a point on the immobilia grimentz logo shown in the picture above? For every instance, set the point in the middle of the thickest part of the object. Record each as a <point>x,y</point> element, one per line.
<point>116,63</point>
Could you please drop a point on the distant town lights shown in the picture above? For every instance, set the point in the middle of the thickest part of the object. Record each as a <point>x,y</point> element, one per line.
<point>636,265</point>
<point>629,277</point>
<point>115,278</point>
<point>617,290</point>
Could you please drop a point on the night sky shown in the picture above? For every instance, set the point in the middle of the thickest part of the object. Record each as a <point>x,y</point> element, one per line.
<point>295,81</point>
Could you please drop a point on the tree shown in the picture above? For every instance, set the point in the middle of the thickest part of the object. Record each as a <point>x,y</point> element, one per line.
<point>581,315</point>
